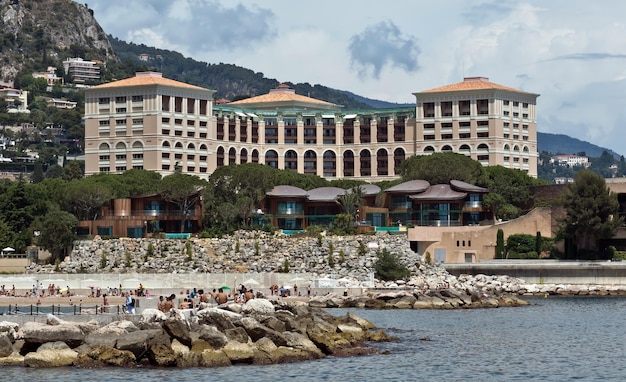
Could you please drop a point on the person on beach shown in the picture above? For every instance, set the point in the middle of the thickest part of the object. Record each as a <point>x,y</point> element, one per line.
<point>161,303</point>
<point>130,303</point>
<point>169,303</point>
<point>308,290</point>
<point>222,298</point>
<point>105,303</point>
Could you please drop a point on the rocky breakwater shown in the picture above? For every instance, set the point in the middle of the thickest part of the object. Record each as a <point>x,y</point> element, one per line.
<point>420,299</point>
<point>258,332</point>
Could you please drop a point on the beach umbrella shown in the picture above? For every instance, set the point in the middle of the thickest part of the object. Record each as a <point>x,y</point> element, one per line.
<point>224,287</point>
<point>250,282</point>
<point>297,278</point>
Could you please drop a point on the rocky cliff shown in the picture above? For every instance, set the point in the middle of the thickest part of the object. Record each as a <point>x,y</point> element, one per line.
<point>35,34</point>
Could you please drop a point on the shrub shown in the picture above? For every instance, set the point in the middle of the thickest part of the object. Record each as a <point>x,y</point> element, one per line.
<point>127,257</point>
<point>331,260</point>
<point>427,258</point>
<point>362,249</point>
<point>103,260</point>
<point>388,267</point>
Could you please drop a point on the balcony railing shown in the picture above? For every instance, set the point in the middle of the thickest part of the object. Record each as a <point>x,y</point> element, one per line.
<point>153,213</point>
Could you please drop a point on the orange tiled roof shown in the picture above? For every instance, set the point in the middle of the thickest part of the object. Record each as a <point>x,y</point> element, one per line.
<point>281,94</point>
<point>472,83</point>
<point>279,97</point>
<point>147,78</point>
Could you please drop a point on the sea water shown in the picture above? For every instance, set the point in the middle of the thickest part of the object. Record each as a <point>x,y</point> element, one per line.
<point>553,339</point>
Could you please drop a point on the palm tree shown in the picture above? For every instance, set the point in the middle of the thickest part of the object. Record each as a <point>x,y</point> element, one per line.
<point>351,200</point>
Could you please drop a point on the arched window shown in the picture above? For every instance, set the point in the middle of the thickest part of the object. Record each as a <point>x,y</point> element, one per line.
<point>330,163</point>
<point>446,149</point>
<point>271,158</point>
<point>366,162</point>
<point>232,156</point>
<point>429,149</point>
<point>244,156</point>
<point>291,160</point>
<point>310,162</point>
<point>348,163</point>
<point>382,162</point>
<point>220,156</point>
<point>398,157</point>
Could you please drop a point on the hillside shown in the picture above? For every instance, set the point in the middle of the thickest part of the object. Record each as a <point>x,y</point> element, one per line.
<point>564,144</point>
<point>230,81</point>
<point>35,34</point>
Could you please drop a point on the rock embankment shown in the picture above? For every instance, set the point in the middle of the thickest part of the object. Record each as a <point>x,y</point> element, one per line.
<point>258,332</point>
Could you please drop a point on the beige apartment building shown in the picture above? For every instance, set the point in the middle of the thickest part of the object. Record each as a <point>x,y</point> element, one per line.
<point>148,122</point>
<point>491,123</point>
<point>153,123</point>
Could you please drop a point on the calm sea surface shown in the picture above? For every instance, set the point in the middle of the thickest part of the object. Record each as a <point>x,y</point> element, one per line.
<point>554,339</point>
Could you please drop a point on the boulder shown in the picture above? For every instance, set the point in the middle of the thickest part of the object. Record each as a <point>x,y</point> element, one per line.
<point>152,315</point>
<point>38,333</point>
<point>160,352</point>
<point>212,336</point>
<point>178,329</point>
<point>258,305</point>
<point>105,356</point>
<point>300,341</point>
<point>238,334</point>
<point>238,352</point>
<point>6,345</point>
<point>222,319</point>
<point>51,354</point>
<point>137,342</point>
<point>256,331</point>
<point>211,358</point>
<point>10,329</point>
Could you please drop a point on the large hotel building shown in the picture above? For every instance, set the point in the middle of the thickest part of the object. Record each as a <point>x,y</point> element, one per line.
<point>153,123</point>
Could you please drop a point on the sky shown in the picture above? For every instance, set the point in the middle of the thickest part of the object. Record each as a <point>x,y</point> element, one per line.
<point>571,52</point>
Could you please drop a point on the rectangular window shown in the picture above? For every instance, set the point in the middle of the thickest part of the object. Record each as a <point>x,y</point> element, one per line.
<point>120,157</point>
<point>446,125</point>
<point>516,114</point>
<point>165,167</point>
<point>525,105</point>
<point>525,115</point>
<point>104,101</point>
<point>165,155</point>
<point>104,169</point>
<point>506,158</point>
<point>464,135</point>
<point>165,121</point>
<point>104,157</point>
<point>515,103</point>
<point>178,121</point>
<point>515,136</point>
<point>120,168</point>
<point>105,122</point>
<point>138,156</point>
<point>429,137</point>
<point>525,160</point>
<point>120,110</point>
<point>484,134</point>
<point>120,121</point>
<point>446,136</point>
<point>190,134</point>
<point>505,102</point>
<point>429,126</point>
<point>120,99</point>
<point>506,135</point>
<point>516,159</point>
<point>137,121</point>
<point>465,125</point>
<point>138,98</point>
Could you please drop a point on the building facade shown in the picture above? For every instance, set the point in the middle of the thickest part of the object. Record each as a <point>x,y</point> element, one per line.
<point>82,71</point>
<point>491,123</point>
<point>153,123</point>
<point>286,130</point>
<point>148,122</point>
